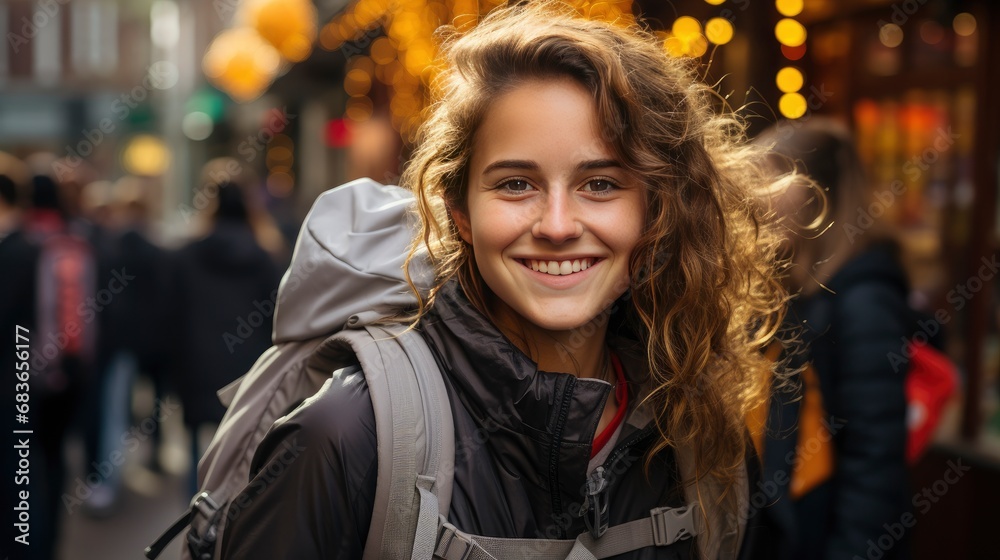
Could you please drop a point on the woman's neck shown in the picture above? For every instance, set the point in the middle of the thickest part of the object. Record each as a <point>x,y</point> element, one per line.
<point>580,351</point>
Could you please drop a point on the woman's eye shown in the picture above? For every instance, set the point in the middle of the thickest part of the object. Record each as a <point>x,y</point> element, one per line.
<point>515,186</point>
<point>599,186</point>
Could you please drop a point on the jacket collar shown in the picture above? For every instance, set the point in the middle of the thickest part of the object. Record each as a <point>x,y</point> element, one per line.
<point>547,420</point>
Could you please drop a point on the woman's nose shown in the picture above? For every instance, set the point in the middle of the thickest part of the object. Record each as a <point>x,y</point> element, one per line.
<point>559,221</point>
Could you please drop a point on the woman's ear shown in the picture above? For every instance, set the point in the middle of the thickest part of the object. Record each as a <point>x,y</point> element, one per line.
<point>462,223</point>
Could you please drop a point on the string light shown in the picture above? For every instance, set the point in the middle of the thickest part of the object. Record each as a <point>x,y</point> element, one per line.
<point>719,31</point>
<point>792,36</point>
<point>401,47</point>
<point>789,79</point>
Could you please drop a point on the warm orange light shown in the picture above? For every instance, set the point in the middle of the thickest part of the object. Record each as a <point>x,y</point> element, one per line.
<point>789,8</point>
<point>964,24</point>
<point>289,25</point>
<point>357,82</point>
<point>359,108</point>
<point>674,46</point>
<point>891,35</point>
<point>790,32</point>
<point>146,155</point>
<point>241,63</point>
<point>698,46</point>
<point>719,31</point>
<point>789,79</point>
<point>792,105</point>
<point>686,28</point>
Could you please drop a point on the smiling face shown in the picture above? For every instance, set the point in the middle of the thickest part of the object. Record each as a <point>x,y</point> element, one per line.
<point>551,215</point>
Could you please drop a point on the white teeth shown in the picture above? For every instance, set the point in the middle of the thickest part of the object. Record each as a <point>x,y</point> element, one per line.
<point>559,268</point>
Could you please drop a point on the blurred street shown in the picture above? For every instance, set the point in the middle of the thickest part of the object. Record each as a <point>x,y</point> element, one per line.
<point>149,501</point>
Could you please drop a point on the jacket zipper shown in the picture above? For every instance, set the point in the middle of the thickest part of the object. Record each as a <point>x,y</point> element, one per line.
<point>596,513</point>
<point>567,398</point>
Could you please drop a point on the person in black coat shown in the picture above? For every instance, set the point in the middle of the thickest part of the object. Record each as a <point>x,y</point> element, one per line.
<point>851,315</point>
<point>19,262</point>
<point>225,285</point>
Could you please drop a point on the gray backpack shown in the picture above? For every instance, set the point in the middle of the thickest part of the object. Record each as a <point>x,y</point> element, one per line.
<point>346,278</point>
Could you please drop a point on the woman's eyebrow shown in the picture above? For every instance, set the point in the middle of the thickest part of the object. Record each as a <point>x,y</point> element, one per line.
<point>533,166</point>
<point>512,164</point>
<point>598,164</point>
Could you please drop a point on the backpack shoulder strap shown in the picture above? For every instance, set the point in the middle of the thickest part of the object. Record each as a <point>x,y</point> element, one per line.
<point>664,527</point>
<point>415,434</point>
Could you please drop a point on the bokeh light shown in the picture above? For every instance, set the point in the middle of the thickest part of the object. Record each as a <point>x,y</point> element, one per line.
<point>891,35</point>
<point>241,63</point>
<point>197,125</point>
<point>931,32</point>
<point>789,8</point>
<point>146,155</point>
<point>686,28</point>
<point>792,105</point>
<point>719,31</point>
<point>964,24</point>
<point>289,25</point>
<point>790,32</point>
<point>793,53</point>
<point>789,79</point>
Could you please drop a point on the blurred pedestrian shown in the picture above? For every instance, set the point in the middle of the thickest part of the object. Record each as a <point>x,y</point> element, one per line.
<point>63,353</point>
<point>133,332</point>
<point>852,306</point>
<point>224,288</point>
<point>18,261</point>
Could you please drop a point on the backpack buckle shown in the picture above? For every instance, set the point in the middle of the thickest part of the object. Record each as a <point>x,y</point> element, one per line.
<point>596,515</point>
<point>452,544</point>
<point>204,503</point>
<point>673,524</point>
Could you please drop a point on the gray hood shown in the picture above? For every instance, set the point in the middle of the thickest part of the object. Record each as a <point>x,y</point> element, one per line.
<point>348,262</point>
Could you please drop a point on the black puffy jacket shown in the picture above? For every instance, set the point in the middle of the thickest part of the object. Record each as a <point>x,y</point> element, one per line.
<point>522,447</point>
<point>852,331</point>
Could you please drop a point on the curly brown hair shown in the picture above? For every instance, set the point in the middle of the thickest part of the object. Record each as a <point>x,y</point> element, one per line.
<point>705,293</point>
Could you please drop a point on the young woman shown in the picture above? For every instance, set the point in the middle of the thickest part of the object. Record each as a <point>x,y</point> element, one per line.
<point>852,313</point>
<point>604,285</point>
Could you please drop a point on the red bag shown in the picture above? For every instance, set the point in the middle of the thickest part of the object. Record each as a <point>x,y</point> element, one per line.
<point>930,382</point>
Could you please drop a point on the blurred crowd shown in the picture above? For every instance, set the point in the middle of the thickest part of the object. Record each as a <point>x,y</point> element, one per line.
<point>105,302</point>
